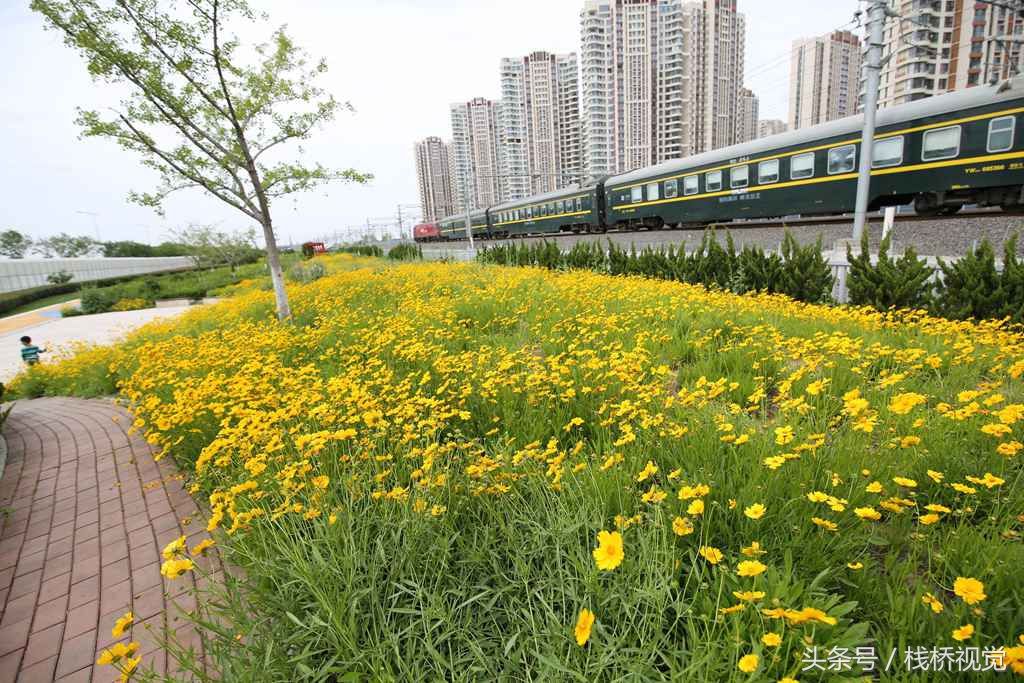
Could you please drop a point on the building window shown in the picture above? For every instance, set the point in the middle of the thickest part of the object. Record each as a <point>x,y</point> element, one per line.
<point>842,159</point>
<point>887,152</point>
<point>636,194</point>
<point>739,177</point>
<point>768,172</point>
<point>1000,133</point>
<point>802,166</point>
<point>691,185</point>
<point>943,143</point>
<point>671,189</point>
<point>713,181</point>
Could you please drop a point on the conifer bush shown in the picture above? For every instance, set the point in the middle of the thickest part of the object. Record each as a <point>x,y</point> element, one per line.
<point>888,283</point>
<point>806,275</point>
<point>757,271</point>
<point>971,287</point>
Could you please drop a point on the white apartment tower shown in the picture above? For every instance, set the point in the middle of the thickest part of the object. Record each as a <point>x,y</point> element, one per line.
<point>538,124</point>
<point>660,79</point>
<point>768,127</point>
<point>746,123</point>
<point>824,79</point>
<point>948,45</point>
<point>477,175</point>
<point>434,179</point>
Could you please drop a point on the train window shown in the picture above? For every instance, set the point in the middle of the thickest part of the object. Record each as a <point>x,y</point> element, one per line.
<point>943,143</point>
<point>652,191</point>
<point>636,194</point>
<point>691,185</point>
<point>713,181</point>
<point>739,176</point>
<point>842,159</point>
<point>579,203</point>
<point>671,188</point>
<point>801,166</point>
<point>887,152</point>
<point>768,172</point>
<point>1000,133</point>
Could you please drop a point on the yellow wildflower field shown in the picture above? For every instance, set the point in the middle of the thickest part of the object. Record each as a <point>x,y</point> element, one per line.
<point>466,472</point>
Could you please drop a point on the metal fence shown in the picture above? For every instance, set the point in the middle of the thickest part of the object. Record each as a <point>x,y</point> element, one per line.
<point>19,274</point>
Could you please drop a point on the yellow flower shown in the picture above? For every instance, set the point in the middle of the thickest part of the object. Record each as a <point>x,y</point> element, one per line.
<point>748,663</point>
<point>904,403</point>
<point>654,495</point>
<point>172,569</point>
<point>783,435</point>
<point>321,482</point>
<point>869,513</point>
<point>855,566</point>
<point>711,554</point>
<point>963,488</point>
<point>174,548</point>
<point>963,633</point>
<point>117,652</point>
<point>201,547</point>
<point>825,524</point>
<point>121,624</point>
<point>647,472</point>
<point>695,508</point>
<point>910,441</point>
<point>609,552</point>
<point>771,639</point>
<point>930,518</point>
<point>682,526</point>
<point>584,623</point>
<point>937,477</point>
<point>748,596</point>
<point>750,568</point>
<point>755,511</point>
<point>932,602</point>
<point>935,507</point>
<point>874,487</point>
<point>904,482</point>
<point>969,590</point>
<point>1009,448</point>
<point>753,550</point>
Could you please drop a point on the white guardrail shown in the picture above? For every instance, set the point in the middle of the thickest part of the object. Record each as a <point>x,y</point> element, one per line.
<point>19,274</point>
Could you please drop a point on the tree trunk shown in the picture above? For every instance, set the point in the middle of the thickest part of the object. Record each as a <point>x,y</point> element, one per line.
<point>284,311</point>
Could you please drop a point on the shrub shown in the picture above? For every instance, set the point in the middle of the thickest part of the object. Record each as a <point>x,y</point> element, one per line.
<point>757,271</point>
<point>586,256</point>
<point>806,275</point>
<point>711,265</point>
<point>61,277</point>
<point>131,305</point>
<point>70,311</point>
<point>1013,282</point>
<point>363,250</point>
<point>888,283</point>
<point>306,272</point>
<point>406,252</point>
<point>96,300</point>
<point>970,286</point>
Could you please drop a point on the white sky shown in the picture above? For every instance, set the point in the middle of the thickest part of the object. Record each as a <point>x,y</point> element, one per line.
<point>400,63</point>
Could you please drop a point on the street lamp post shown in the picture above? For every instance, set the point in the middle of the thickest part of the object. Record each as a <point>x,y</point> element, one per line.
<point>95,225</point>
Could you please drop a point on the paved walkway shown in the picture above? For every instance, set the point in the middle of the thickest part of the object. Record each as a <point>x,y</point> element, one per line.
<point>88,512</point>
<point>48,330</point>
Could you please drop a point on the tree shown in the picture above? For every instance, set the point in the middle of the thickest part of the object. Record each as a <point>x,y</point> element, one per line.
<point>13,244</point>
<point>65,246</point>
<point>126,249</point>
<point>208,247</point>
<point>195,112</point>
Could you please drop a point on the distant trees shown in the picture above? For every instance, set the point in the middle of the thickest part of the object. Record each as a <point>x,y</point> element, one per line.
<point>66,246</point>
<point>209,247</point>
<point>13,244</point>
<point>127,249</point>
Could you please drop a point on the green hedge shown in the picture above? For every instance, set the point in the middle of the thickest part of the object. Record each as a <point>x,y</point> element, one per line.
<point>12,300</point>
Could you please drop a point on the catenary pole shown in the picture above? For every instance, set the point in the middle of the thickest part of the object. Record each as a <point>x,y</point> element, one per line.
<point>469,218</point>
<point>877,13</point>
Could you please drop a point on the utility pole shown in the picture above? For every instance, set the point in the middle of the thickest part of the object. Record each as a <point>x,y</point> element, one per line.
<point>877,14</point>
<point>469,218</point>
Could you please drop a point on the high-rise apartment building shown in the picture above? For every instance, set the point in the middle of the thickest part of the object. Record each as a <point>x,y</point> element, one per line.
<point>824,79</point>
<point>949,45</point>
<point>660,79</point>
<point>538,124</point>
<point>434,179</point>
<point>768,127</point>
<point>477,175</point>
<point>746,124</point>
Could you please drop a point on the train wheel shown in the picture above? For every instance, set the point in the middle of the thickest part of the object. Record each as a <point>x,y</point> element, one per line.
<point>926,205</point>
<point>951,210</point>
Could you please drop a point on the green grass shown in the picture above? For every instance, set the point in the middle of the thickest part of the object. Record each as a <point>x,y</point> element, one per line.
<point>44,302</point>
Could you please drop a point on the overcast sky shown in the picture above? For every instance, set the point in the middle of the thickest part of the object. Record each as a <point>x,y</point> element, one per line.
<point>400,63</point>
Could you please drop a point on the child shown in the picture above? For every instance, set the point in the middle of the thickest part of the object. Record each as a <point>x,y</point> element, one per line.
<point>29,352</point>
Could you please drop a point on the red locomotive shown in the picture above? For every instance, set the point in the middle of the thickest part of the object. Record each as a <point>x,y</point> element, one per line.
<point>426,232</point>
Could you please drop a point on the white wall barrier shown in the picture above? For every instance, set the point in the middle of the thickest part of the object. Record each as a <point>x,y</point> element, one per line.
<point>19,274</point>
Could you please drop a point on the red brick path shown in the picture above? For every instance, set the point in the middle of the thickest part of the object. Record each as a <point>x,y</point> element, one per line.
<point>88,512</point>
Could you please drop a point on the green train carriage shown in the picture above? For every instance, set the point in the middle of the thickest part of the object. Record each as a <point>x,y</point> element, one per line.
<point>454,227</point>
<point>940,153</point>
<point>571,209</point>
